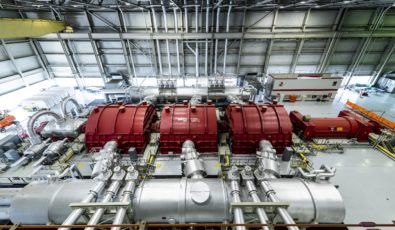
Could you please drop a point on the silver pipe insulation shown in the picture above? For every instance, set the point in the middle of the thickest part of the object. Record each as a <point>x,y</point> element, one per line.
<point>226,39</point>
<point>324,173</point>
<point>260,211</point>
<point>167,40</point>
<point>4,213</point>
<point>157,40</point>
<point>52,152</point>
<point>110,194</point>
<point>177,48</point>
<point>194,167</point>
<point>7,195</point>
<point>63,106</point>
<point>237,212</point>
<point>34,138</point>
<point>77,213</point>
<point>33,151</point>
<point>71,169</point>
<point>108,149</point>
<point>271,195</point>
<point>127,195</point>
<point>107,154</point>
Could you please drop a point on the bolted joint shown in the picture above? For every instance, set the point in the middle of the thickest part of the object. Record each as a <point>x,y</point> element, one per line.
<point>119,174</point>
<point>132,173</point>
<point>259,173</point>
<point>233,174</point>
<point>247,174</point>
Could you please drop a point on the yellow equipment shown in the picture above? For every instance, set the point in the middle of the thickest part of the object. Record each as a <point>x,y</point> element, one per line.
<point>12,28</point>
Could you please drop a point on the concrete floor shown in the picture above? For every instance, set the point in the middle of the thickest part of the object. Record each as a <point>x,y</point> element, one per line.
<point>365,176</point>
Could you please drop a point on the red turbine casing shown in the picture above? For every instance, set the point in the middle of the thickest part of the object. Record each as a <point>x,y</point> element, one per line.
<point>251,123</point>
<point>182,122</point>
<point>344,126</point>
<point>127,124</point>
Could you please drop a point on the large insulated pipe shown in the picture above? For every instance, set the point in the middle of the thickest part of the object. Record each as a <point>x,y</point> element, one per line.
<point>77,213</point>
<point>52,152</point>
<point>216,40</point>
<point>177,47</point>
<point>269,167</point>
<point>234,177</point>
<point>63,106</point>
<point>108,148</point>
<point>167,40</point>
<point>33,136</point>
<point>267,158</point>
<point>128,191</point>
<point>110,194</point>
<point>33,151</point>
<point>4,213</point>
<point>194,167</point>
<point>271,194</point>
<point>107,154</point>
<point>157,40</point>
<point>7,195</point>
<point>324,173</point>
<point>226,39</point>
<point>207,30</point>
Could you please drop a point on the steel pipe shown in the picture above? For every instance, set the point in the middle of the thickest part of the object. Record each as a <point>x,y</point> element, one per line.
<point>194,167</point>
<point>127,195</point>
<point>260,211</point>
<point>238,217</point>
<point>76,213</point>
<point>63,106</point>
<point>110,194</point>
<point>271,194</point>
<point>34,138</point>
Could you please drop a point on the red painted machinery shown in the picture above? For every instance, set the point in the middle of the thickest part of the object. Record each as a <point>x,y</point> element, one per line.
<point>251,123</point>
<point>127,124</point>
<point>182,122</point>
<point>346,125</point>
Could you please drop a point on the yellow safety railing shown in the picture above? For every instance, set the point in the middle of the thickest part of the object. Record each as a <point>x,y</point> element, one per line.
<point>370,114</point>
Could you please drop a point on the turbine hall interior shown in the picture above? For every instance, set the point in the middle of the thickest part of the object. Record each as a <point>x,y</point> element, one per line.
<point>186,114</point>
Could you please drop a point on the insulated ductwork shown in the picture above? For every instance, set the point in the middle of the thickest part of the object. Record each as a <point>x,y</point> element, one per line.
<point>34,137</point>
<point>63,107</point>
